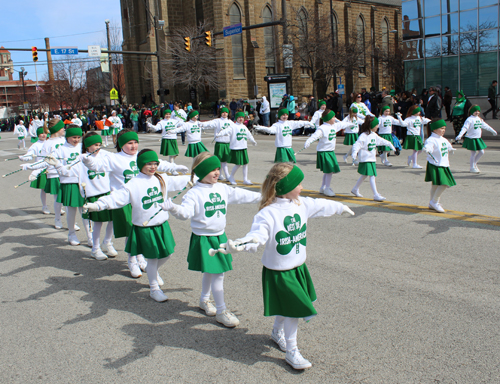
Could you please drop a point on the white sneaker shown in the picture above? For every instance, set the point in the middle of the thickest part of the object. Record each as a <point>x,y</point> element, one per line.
<point>356,193</point>
<point>378,198</point>
<point>45,210</point>
<point>232,181</point>
<point>109,249</point>
<point>73,240</point>
<point>409,161</point>
<point>345,158</point>
<point>159,279</point>
<point>227,319</point>
<point>77,228</point>
<point>477,169</point>
<point>436,206</point>
<point>387,164</point>
<point>279,338</point>
<point>322,189</point>
<point>98,255</point>
<point>62,212</point>
<point>134,269</point>
<point>416,166</point>
<point>295,359</point>
<point>58,224</point>
<point>247,182</point>
<point>142,262</point>
<point>90,242</point>
<point>158,295</point>
<point>329,192</point>
<point>474,170</point>
<point>208,307</point>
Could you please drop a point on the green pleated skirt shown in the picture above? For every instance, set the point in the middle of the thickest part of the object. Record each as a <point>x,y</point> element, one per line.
<point>101,216</point>
<point>473,144</point>
<point>71,196</point>
<point>439,175</point>
<point>327,162</point>
<point>288,293</point>
<point>53,187</point>
<point>105,132</point>
<point>122,221</point>
<point>413,142</point>
<point>239,157</point>
<point>199,259</point>
<point>387,137</point>
<point>169,147</point>
<point>223,152</point>
<point>194,150</point>
<point>284,155</point>
<point>350,138</point>
<point>40,181</point>
<point>367,169</point>
<point>154,242</point>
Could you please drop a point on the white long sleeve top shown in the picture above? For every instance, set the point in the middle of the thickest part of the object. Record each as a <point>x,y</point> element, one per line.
<point>117,122</point>
<point>355,125</point>
<point>438,150</point>
<point>473,126</point>
<point>70,154</point>
<point>265,106</point>
<point>166,126</point>
<point>327,135</point>
<point>363,110</point>
<point>239,135</point>
<point>34,152</point>
<point>179,115</point>
<point>192,129</point>
<point>282,228</point>
<point>386,123</point>
<point>206,206</point>
<point>218,125</point>
<point>365,148</point>
<point>49,147</point>
<point>283,131</point>
<point>316,119</point>
<point>414,124</point>
<point>76,121</point>
<point>20,131</point>
<point>35,124</point>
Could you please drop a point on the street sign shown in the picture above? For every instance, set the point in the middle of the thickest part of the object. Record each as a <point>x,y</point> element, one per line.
<point>26,105</point>
<point>288,55</point>
<point>94,50</point>
<point>341,89</point>
<point>64,50</point>
<point>113,94</point>
<point>235,29</point>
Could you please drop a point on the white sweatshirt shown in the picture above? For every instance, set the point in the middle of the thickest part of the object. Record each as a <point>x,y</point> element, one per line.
<point>472,128</point>
<point>70,153</point>
<point>117,122</point>
<point>283,131</point>
<point>438,149</point>
<point>218,125</point>
<point>35,124</point>
<point>179,115</point>
<point>386,123</point>
<point>20,131</point>
<point>366,146</point>
<point>354,121</point>
<point>49,147</point>
<point>363,110</point>
<point>316,119</point>
<point>165,126</point>
<point>282,228</point>
<point>327,135</point>
<point>76,121</point>
<point>413,124</point>
<point>34,152</point>
<point>239,134</point>
<point>206,206</point>
<point>192,129</point>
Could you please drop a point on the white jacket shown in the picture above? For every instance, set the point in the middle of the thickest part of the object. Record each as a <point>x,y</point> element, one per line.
<point>265,106</point>
<point>366,146</point>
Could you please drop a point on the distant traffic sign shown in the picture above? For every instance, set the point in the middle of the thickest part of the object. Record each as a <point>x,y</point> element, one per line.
<point>64,50</point>
<point>94,50</point>
<point>235,29</point>
<point>341,89</point>
<point>113,94</point>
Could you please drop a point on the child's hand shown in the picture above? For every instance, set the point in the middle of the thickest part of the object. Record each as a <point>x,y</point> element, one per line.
<point>347,210</point>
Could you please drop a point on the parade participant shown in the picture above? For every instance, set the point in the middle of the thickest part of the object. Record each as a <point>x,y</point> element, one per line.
<point>193,131</point>
<point>21,133</point>
<point>168,139</point>
<point>366,147</point>
<point>280,226</point>
<point>116,127</point>
<point>351,134</point>
<point>239,136</point>
<point>206,205</point>
<point>106,132</point>
<point>413,123</point>
<point>180,115</point>
<point>473,142</point>
<point>316,119</point>
<point>385,132</point>
<point>32,131</point>
<point>438,163</point>
<point>363,110</point>
<point>326,160</point>
<point>76,121</point>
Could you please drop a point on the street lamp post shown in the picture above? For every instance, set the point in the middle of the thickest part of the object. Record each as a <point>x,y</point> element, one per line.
<point>109,56</point>
<point>22,73</point>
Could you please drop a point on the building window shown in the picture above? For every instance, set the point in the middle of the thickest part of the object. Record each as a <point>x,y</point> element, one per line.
<point>360,42</point>
<point>237,43</point>
<point>267,17</point>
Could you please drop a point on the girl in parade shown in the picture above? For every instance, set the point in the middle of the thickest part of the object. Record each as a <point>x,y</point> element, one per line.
<point>365,146</point>
<point>473,142</point>
<point>239,136</point>
<point>414,124</point>
<point>106,132</point>
<point>206,205</point>
<point>283,131</point>
<point>193,129</point>
<point>180,115</point>
<point>116,126</point>
<point>385,132</point>
<point>32,131</point>
<point>316,119</point>
<point>21,133</point>
<point>438,163</point>
<point>150,233</point>
<point>351,134</point>
<point>326,160</point>
<point>280,226</point>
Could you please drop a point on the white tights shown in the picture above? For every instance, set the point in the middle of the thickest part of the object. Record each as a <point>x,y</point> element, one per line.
<point>383,157</point>
<point>245,171</point>
<point>43,198</point>
<point>21,142</point>
<point>71,212</point>
<point>290,325</point>
<point>171,158</point>
<point>152,271</point>
<point>349,152</point>
<point>327,179</point>
<point>437,191</point>
<point>57,209</point>
<point>213,282</point>
<point>373,184</point>
<point>413,156</point>
<point>96,235</point>
<point>105,140</point>
<point>475,156</point>
<point>224,168</point>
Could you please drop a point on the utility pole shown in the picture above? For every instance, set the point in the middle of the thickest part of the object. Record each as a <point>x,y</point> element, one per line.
<point>285,38</point>
<point>158,59</point>
<point>109,57</point>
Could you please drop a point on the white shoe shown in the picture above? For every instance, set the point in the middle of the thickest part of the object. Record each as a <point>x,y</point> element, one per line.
<point>73,240</point>
<point>416,166</point>
<point>142,262</point>
<point>247,182</point>
<point>378,198</point>
<point>134,269</point>
<point>329,192</point>
<point>295,359</point>
<point>231,180</point>
<point>227,319</point>
<point>409,161</point>
<point>45,210</point>
<point>474,170</point>
<point>387,164</point>
<point>58,224</point>
<point>175,173</point>
<point>63,212</point>
<point>345,158</point>
<point>322,189</point>
<point>90,242</point>
<point>159,279</point>
<point>221,178</point>
<point>77,228</point>
<point>158,295</point>
<point>109,249</point>
<point>98,255</point>
<point>356,193</point>
<point>279,338</point>
<point>208,307</point>
<point>436,206</point>
<point>477,169</point>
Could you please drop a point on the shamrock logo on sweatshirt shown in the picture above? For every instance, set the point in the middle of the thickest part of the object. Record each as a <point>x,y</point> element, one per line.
<point>241,135</point>
<point>287,131</point>
<point>293,235</point>
<point>93,174</point>
<point>215,205</point>
<point>72,157</point>
<point>332,135</point>
<point>444,149</point>
<point>128,174</point>
<point>477,124</point>
<point>59,145</point>
<point>195,129</point>
<point>372,144</point>
<point>154,197</point>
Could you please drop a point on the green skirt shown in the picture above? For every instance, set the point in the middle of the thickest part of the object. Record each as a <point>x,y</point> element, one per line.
<point>350,138</point>
<point>413,142</point>
<point>53,187</point>
<point>199,260</point>
<point>284,155</point>
<point>122,221</point>
<point>105,132</point>
<point>40,181</point>
<point>367,169</point>
<point>34,139</point>
<point>288,293</point>
<point>473,144</point>
<point>20,137</point>
<point>169,147</point>
<point>101,216</point>
<point>71,196</point>
<point>194,150</point>
<point>154,242</point>
<point>239,157</point>
<point>387,137</point>
<point>223,152</point>
<point>326,161</point>
<point>439,175</point>
<point>114,131</point>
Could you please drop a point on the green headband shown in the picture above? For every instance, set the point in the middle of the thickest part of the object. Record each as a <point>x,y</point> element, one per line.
<point>40,131</point>
<point>91,140</point>
<point>192,114</point>
<point>438,124</point>
<point>57,127</point>
<point>474,109</point>
<point>374,123</point>
<point>74,131</point>
<point>416,110</point>
<point>330,115</point>
<point>126,137</point>
<point>146,157</point>
<point>224,109</point>
<point>321,102</point>
<point>206,166</point>
<point>354,110</point>
<point>384,108</point>
<point>166,111</point>
<point>282,112</point>
<point>290,181</point>
<point>240,114</point>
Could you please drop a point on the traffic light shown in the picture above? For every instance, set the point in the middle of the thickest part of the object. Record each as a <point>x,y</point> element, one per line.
<point>187,44</point>
<point>34,52</point>
<point>208,38</point>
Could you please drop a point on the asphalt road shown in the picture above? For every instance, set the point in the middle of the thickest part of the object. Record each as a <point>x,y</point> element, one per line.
<point>405,295</point>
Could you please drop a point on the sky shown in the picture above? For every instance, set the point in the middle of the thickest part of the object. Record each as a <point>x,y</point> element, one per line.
<point>25,23</point>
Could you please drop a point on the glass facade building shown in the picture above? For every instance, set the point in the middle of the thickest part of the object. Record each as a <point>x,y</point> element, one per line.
<point>451,43</point>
